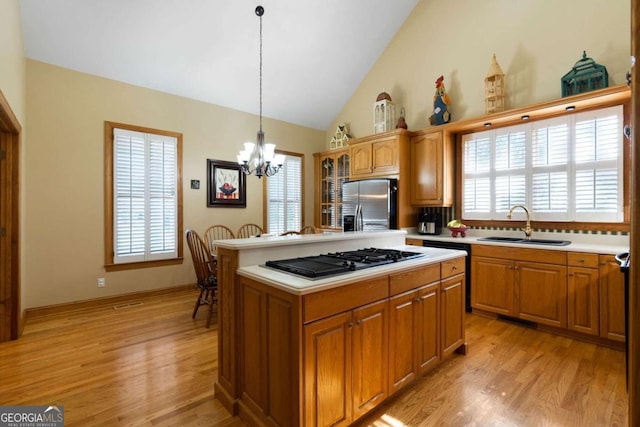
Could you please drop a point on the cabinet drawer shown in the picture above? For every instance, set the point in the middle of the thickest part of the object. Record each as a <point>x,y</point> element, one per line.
<point>581,259</point>
<point>452,267</point>
<point>521,254</point>
<point>325,303</point>
<point>412,279</point>
<point>414,242</point>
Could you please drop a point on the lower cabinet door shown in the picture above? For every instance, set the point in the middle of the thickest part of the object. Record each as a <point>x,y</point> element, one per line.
<point>402,340</point>
<point>327,371</point>
<point>541,293</point>
<point>492,285</point>
<point>452,314</point>
<point>370,356</point>
<point>611,299</point>
<point>427,331</point>
<point>583,311</point>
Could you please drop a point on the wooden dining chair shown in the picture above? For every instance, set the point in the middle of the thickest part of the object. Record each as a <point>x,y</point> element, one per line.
<point>205,268</point>
<point>290,233</point>
<point>309,229</point>
<point>249,230</point>
<point>217,232</point>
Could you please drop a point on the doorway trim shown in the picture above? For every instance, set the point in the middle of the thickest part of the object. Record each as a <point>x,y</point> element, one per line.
<point>10,136</point>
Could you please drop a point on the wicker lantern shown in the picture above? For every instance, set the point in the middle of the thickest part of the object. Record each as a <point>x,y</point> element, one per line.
<point>494,88</point>
<point>384,114</point>
<point>585,76</point>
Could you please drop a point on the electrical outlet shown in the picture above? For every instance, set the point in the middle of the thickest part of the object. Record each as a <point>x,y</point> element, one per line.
<point>101,282</point>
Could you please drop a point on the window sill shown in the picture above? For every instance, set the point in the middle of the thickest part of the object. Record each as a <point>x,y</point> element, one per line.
<point>143,264</point>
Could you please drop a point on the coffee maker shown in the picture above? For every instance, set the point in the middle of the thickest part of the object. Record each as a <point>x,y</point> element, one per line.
<point>430,223</point>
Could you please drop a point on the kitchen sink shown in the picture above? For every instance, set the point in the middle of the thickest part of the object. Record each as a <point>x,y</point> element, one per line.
<point>524,241</point>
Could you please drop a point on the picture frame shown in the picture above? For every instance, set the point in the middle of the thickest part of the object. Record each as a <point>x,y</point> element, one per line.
<point>226,185</point>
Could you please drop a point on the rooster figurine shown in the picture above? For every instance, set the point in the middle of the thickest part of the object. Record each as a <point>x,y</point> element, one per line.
<point>441,100</point>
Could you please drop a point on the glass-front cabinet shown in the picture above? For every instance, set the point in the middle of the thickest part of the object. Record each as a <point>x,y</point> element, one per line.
<point>332,169</point>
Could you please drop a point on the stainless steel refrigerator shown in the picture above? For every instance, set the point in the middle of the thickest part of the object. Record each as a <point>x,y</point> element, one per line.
<point>370,204</point>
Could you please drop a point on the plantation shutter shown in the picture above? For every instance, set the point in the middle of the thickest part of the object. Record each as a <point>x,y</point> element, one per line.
<point>284,197</point>
<point>564,169</point>
<point>145,196</point>
<point>598,163</point>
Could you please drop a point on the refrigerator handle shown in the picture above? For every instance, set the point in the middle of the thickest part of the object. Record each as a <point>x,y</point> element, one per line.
<point>358,218</point>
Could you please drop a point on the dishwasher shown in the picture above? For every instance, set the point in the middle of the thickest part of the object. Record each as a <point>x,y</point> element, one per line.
<point>467,266</point>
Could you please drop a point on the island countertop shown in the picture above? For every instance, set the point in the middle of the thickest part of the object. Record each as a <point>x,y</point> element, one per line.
<point>300,285</point>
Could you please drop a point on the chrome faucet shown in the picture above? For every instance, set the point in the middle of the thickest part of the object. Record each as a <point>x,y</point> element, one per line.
<point>527,228</point>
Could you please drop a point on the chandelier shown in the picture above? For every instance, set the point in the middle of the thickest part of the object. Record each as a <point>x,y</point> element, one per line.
<point>260,158</point>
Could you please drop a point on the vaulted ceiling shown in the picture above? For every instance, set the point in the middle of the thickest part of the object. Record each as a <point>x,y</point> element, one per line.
<point>315,53</point>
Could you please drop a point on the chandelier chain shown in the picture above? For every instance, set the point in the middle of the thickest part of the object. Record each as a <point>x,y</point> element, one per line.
<point>260,72</point>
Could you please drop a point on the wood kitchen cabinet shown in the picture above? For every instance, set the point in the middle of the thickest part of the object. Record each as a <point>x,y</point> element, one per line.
<point>344,356</point>
<point>331,170</point>
<point>414,318</point>
<point>377,155</point>
<point>452,294</point>
<point>432,169</point>
<point>611,299</point>
<point>326,358</point>
<point>583,308</point>
<point>327,349</point>
<point>492,285</point>
<point>530,284</point>
<point>541,291</point>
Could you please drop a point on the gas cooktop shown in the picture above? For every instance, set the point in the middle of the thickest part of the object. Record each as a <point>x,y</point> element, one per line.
<point>334,263</point>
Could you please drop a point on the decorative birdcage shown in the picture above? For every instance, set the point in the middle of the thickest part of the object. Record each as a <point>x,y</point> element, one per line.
<point>384,114</point>
<point>340,138</point>
<point>494,91</point>
<point>585,76</point>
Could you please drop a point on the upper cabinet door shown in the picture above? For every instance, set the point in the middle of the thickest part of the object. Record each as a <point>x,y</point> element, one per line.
<point>431,170</point>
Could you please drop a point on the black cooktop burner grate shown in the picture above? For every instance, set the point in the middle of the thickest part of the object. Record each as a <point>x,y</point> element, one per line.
<point>341,262</point>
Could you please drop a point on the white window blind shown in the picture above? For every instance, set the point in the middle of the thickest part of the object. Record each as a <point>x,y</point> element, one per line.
<point>284,197</point>
<point>145,196</point>
<point>564,169</point>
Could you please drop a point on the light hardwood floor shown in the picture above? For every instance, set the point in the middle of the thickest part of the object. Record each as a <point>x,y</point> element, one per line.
<point>152,365</point>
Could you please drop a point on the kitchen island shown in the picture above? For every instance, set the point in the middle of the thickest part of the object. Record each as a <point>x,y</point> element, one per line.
<point>294,351</point>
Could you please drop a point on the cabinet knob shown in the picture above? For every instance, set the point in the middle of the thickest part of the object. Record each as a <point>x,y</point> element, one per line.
<point>570,274</point>
<point>418,300</point>
<point>454,267</point>
<point>358,322</point>
<point>350,324</point>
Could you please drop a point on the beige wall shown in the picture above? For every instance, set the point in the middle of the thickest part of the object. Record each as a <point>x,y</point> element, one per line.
<point>64,217</point>
<point>536,42</point>
<point>13,87</point>
<point>12,62</point>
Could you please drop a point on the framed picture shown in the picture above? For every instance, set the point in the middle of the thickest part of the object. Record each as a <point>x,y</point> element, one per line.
<point>225,185</point>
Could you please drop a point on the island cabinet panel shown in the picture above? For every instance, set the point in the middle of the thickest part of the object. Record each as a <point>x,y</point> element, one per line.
<point>412,279</point>
<point>268,381</point>
<point>541,293</point>
<point>370,356</point>
<point>611,282</point>
<point>226,388</point>
<point>428,333</point>
<point>492,285</point>
<point>452,315</point>
<point>327,371</point>
<point>325,303</point>
<point>583,299</point>
<point>402,340</point>
<point>414,335</point>
<point>345,359</point>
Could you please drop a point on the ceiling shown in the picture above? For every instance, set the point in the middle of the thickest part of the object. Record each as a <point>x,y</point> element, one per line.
<point>315,53</point>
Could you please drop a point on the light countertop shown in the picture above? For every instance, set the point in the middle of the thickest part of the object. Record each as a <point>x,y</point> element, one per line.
<point>300,285</point>
<point>580,242</point>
